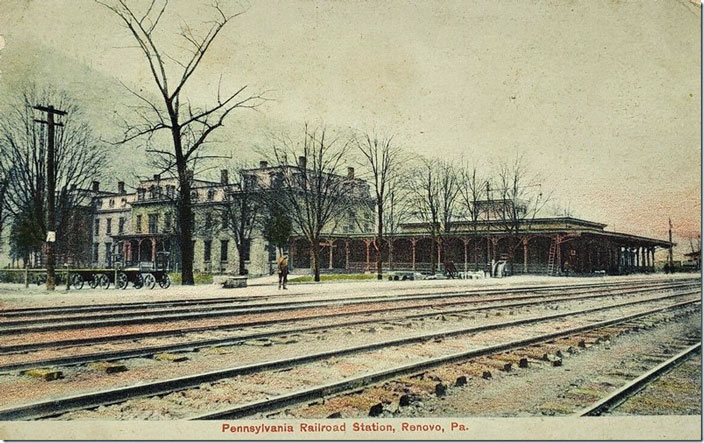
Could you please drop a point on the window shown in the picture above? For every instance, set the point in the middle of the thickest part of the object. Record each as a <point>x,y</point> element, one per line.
<point>95,252</point>
<point>224,220</point>
<point>108,253</point>
<point>157,192</point>
<point>97,226</point>
<point>223,250</point>
<point>170,191</point>
<point>206,251</point>
<point>112,203</point>
<point>123,202</point>
<point>152,192</point>
<point>108,226</point>
<point>140,193</point>
<point>211,194</point>
<point>138,224</point>
<point>121,225</point>
<point>194,196</point>
<point>208,221</point>
<point>153,223</point>
<point>245,249</point>
<point>167,223</point>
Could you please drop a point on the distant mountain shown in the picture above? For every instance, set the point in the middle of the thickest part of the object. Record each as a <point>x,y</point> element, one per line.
<point>103,100</point>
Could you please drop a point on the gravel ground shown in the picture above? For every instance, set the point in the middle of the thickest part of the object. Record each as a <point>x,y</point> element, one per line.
<point>676,393</point>
<point>247,388</point>
<point>21,389</point>
<point>584,377</point>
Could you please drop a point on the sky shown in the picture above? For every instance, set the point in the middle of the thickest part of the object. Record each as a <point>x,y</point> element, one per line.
<point>602,98</point>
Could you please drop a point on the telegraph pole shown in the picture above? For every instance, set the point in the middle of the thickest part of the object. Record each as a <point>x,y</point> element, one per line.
<point>51,191</point>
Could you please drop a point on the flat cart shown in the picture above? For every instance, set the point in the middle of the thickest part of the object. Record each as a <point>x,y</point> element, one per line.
<point>145,274</point>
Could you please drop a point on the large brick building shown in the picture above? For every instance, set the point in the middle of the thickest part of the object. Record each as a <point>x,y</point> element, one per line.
<point>134,227</point>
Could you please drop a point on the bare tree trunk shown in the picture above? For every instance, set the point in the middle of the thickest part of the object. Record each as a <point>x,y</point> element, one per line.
<point>315,258</point>
<point>379,239</point>
<point>185,215</point>
<point>240,255</point>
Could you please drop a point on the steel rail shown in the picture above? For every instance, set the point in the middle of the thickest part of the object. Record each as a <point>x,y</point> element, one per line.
<point>83,401</point>
<point>220,300</point>
<point>211,310</point>
<point>197,344</point>
<point>244,311</point>
<point>25,347</point>
<point>622,394</point>
<point>355,383</point>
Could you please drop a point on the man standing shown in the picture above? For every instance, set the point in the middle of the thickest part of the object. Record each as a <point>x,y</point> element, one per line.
<point>282,268</point>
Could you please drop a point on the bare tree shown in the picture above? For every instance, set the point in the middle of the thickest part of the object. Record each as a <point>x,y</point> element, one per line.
<point>382,162</point>
<point>449,189</point>
<point>314,192</point>
<point>243,209</point>
<point>519,203</point>
<point>79,158</point>
<point>424,187</point>
<point>398,208</point>
<point>188,125</point>
<point>472,192</point>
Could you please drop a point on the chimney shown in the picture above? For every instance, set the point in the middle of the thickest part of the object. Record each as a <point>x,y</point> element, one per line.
<point>263,164</point>
<point>96,186</point>
<point>223,177</point>
<point>350,173</point>
<point>302,162</point>
<point>156,177</point>
<point>120,187</point>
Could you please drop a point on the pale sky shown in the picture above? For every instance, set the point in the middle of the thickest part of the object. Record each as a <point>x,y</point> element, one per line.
<point>602,97</point>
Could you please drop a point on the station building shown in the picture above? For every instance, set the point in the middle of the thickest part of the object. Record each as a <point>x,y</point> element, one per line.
<point>134,227</point>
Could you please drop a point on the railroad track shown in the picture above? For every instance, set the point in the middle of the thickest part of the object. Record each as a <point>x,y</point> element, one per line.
<point>632,388</point>
<point>193,345</point>
<point>191,304</point>
<point>143,351</point>
<point>59,323</point>
<point>92,400</point>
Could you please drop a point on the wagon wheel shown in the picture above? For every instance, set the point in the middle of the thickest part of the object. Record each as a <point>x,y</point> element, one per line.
<point>138,281</point>
<point>165,281</point>
<point>122,280</point>
<point>149,281</point>
<point>93,282</point>
<point>76,281</point>
<point>103,281</point>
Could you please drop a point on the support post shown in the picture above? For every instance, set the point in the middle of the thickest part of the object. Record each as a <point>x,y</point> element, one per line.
<point>347,254</point>
<point>525,256</point>
<point>330,245</point>
<point>413,252</point>
<point>465,240</point>
<point>368,243</point>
